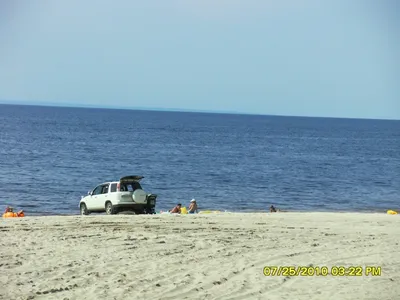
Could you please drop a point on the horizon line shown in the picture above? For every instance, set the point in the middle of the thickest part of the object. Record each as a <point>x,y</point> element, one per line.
<point>160,109</point>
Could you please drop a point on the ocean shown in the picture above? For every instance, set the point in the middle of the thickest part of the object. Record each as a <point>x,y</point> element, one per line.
<point>50,156</point>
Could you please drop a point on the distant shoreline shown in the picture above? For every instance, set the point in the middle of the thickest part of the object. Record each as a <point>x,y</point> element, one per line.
<point>181,110</point>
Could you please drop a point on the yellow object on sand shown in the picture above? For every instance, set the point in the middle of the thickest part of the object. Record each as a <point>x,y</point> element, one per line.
<point>391,212</point>
<point>209,212</point>
<point>183,210</point>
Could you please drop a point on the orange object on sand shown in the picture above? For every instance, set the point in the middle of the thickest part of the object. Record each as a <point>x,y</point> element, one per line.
<point>9,213</point>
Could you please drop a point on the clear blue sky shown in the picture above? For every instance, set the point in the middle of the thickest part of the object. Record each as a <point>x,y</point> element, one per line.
<point>316,58</point>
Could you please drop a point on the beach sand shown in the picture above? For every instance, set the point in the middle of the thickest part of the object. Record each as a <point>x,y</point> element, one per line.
<point>218,256</point>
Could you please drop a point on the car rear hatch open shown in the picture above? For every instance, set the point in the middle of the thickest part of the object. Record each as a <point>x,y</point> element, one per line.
<point>131,178</point>
<point>130,190</point>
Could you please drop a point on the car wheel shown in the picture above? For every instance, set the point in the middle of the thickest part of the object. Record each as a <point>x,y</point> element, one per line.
<point>109,208</point>
<point>84,210</point>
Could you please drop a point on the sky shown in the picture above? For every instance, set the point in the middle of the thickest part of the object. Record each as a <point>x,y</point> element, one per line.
<point>336,58</point>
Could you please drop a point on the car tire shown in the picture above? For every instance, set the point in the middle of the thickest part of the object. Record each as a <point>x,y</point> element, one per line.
<point>110,208</point>
<point>83,209</point>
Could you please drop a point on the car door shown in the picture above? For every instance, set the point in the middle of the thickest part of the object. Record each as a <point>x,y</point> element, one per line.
<point>108,194</point>
<point>91,203</point>
<point>101,199</point>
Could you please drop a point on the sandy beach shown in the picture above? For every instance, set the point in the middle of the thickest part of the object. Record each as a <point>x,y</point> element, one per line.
<point>218,256</point>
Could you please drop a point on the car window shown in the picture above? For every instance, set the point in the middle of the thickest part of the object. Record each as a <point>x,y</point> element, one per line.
<point>113,187</point>
<point>131,186</point>
<point>97,190</point>
<point>105,189</point>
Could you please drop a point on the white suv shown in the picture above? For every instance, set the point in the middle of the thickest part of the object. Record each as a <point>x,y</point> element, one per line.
<point>112,197</point>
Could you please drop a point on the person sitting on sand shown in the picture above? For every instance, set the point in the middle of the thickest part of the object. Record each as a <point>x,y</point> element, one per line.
<point>193,207</point>
<point>272,209</point>
<point>11,210</point>
<point>176,209</point>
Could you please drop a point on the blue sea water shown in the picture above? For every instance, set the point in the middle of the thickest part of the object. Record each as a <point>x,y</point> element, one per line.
<point>51,156</point>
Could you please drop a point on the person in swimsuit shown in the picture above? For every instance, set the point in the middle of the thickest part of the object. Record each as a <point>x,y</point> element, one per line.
<point>176,209</point>
<point>192,207</point>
